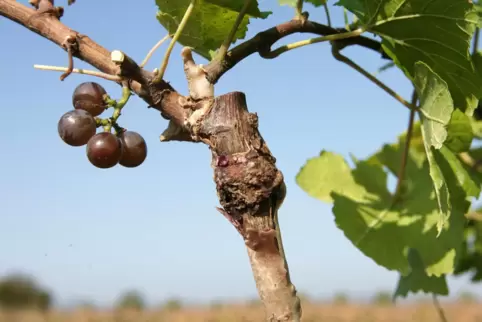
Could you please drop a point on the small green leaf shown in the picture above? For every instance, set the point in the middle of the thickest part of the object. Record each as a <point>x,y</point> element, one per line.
<point>355,6</point>
<point>436,105</point>
<point>460,132</point>
<point>436,32</point>
<point>237,5</point>
<point>447,173</point>
<point>314,176</point>
<point>459,180</point>
<point>441,190</point>
<point>209,24</point>
<point>417,279</point>
<point>364,209</point>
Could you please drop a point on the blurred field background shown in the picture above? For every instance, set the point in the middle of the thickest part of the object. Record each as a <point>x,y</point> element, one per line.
<point>420,312</point>
<point>22,299</point>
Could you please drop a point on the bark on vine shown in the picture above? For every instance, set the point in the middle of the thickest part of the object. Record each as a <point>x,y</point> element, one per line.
<point>250,189</point>
<point>249,185</point>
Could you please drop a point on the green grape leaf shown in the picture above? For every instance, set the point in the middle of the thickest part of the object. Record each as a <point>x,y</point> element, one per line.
<point>209,24</point>
<point>365,212</point>
<point>417,279</point>
<point>436,108</point>
<point>460,132</point>
<point>339,177</point>
<point>461,182</point>
<point>416,143</point>
<point>292,3</point>
<point>441,189</point>
<point>436,105</point>
<point>437,32</point>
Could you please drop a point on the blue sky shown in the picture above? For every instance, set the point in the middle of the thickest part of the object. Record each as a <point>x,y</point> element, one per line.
<point>88,233</point>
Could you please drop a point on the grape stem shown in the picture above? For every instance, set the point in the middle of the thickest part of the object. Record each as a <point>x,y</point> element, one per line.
<point>153,49</point>
<point>475,45</point>
<point>406,150</point>
<point>118,105</point>
<point>80,71</point>
<point>345,19</point>
<point>439,308</point>
<point>327,13</point>
<point>338,56</point>
<point>299,9</point>
<point>223,50</point>
<point>174,39</point>
<point>101,122</point>
<point>278,51</point>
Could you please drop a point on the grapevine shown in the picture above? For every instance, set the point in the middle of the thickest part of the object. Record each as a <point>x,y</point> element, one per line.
<point>426,228</point>
<point>104,149</point>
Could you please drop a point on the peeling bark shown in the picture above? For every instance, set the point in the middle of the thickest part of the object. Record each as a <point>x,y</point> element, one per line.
<point>250,189</point>
<point>249,185</point>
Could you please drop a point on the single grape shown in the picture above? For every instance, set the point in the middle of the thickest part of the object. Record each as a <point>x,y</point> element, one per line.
<point>88,96</point>
<point>104,150</point>
<point>134,149</point>
<point>76,127</point>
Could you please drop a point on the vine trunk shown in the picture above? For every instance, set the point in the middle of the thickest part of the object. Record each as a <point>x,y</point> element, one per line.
<point>251,189</point>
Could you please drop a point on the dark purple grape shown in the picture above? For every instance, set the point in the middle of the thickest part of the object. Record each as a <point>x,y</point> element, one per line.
<point>76,127</point>
<point>89,96</point>
<point>104,150</point>
<point>134,149</point>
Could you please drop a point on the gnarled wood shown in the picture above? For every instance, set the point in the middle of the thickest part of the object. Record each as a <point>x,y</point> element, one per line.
<point>250,188</point>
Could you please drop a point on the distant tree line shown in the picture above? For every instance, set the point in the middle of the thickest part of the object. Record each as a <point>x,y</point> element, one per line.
<point>18,291</point>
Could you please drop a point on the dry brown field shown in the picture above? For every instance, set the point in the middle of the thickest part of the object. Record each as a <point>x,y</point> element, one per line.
<point>455,312</point>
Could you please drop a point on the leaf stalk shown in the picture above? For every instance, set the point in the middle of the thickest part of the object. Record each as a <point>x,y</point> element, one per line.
<point>327,13</point>
<point>401,174</point>
<point>299,9</point>
<point>223,50</point>
<point>110,77</point>
<point>174,39</point>
<point>153,49</point>
<point>439,308</point>
<point>475,45</point>
<point>275,53</point>
<point>338,56</point>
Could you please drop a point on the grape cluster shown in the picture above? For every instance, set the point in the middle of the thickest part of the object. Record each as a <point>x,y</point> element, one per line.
<point>78,127</point>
